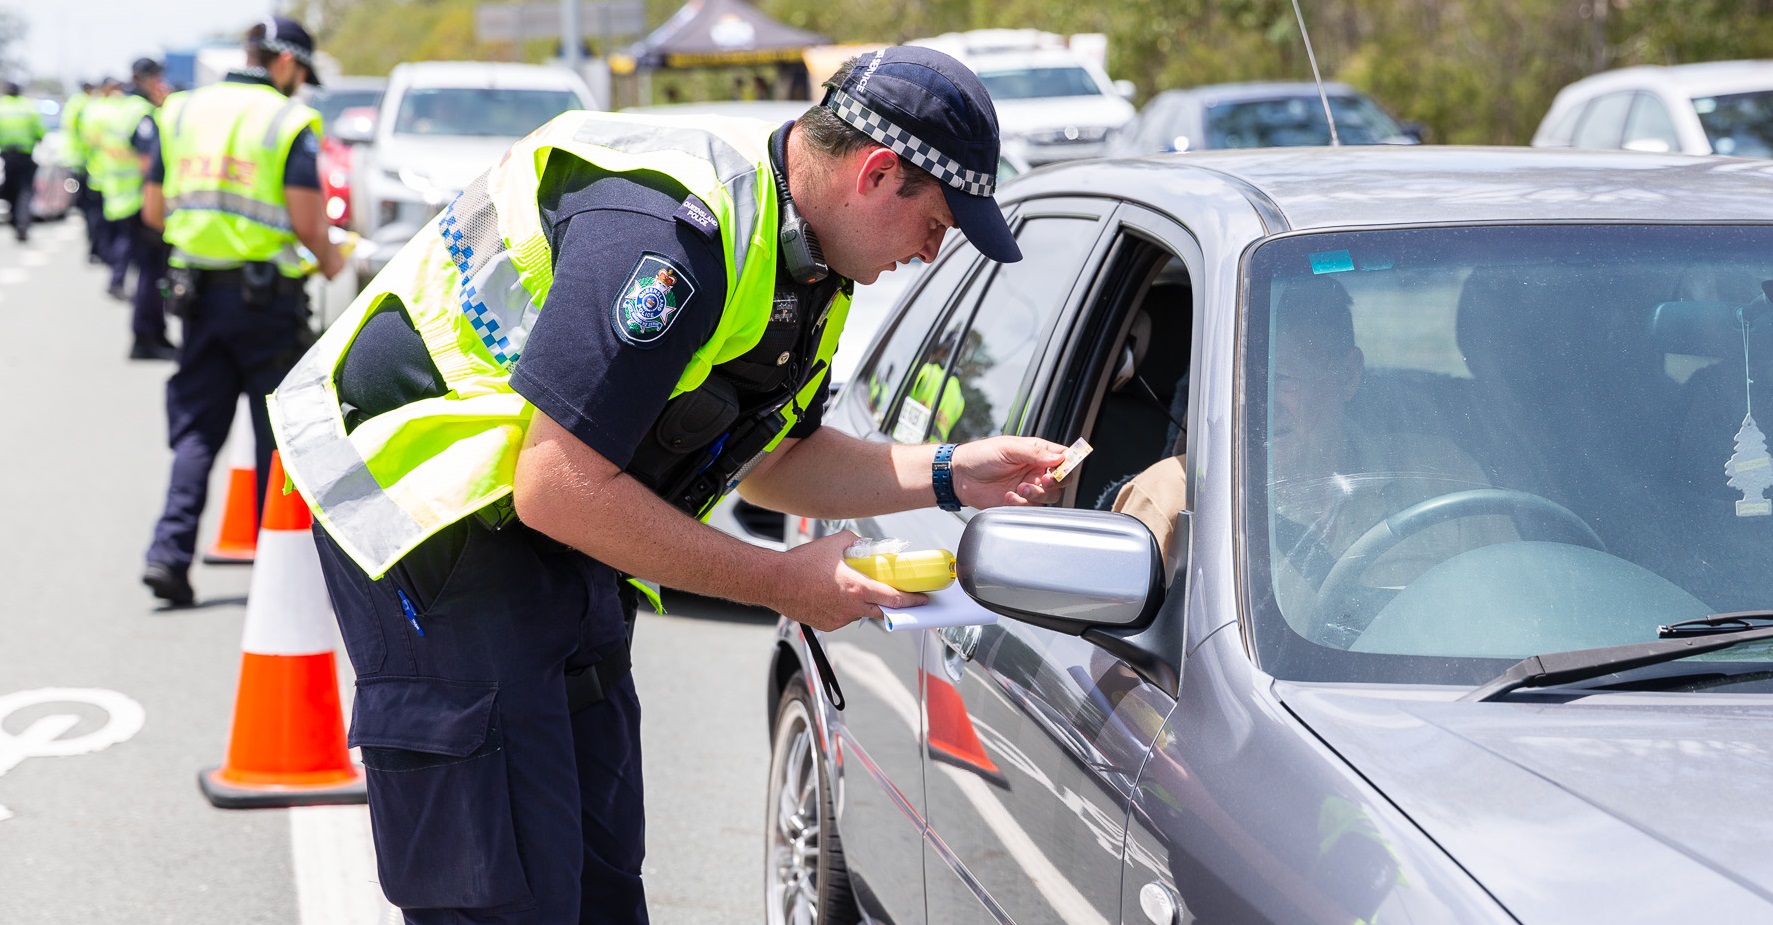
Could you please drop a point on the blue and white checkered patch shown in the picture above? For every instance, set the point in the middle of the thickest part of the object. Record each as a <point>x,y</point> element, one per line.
<point>482,318</point>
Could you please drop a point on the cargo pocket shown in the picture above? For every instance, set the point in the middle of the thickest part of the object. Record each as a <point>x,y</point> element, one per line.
<point>440,802</point>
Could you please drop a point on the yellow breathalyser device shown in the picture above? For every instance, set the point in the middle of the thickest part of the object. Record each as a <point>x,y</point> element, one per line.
<point>888,562</point>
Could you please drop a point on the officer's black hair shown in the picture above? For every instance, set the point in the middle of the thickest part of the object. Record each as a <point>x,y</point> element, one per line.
<point>835,138</point>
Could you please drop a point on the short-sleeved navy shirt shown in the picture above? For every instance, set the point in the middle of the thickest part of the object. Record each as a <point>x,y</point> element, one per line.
<point>301,169</point>
<point>578,366</point>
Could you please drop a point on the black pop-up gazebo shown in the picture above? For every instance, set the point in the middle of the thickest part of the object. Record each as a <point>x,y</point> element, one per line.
<point>717,33</point>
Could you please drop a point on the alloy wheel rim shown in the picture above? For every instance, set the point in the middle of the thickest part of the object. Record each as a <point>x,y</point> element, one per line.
<point>795,824</point>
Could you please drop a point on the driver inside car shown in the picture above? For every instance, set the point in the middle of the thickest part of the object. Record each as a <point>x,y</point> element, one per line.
<point>1331,479</point>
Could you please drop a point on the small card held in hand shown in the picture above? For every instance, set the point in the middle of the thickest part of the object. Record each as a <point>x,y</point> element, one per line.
<point>1074,454</point>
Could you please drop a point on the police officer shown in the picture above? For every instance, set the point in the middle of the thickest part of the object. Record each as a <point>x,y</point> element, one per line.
<point>519,421</point>
<point>129,137</point>
<point>236,187</point>
<point>88,130</point>
<point>21,127</point>
<point>75,154</point>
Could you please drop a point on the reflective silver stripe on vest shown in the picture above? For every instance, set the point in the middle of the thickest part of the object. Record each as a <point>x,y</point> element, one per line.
<point>272,132</point>
<point>178,124</point>
<point>736,172</point>
<point>332,469</point>
<point>276,217</point>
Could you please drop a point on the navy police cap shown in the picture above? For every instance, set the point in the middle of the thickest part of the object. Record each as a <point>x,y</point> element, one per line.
<point>931,110</point>
<point>279,34</point>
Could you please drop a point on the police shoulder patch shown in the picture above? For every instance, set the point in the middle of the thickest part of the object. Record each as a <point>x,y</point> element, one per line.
<point>655,294</point>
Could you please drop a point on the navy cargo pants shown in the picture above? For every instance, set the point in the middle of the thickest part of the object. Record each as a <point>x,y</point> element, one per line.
<point>228,350</point>
<point>499,792</point>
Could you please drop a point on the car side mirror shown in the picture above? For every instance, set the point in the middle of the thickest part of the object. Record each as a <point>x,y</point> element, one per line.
<point>1126,89</point>
<point>1069,571</point>
<point>356,125</point>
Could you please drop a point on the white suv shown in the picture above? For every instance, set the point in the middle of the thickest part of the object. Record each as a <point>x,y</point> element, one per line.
<point>1054,102</point>
<point>440,125</point>
<point>1722,107</point>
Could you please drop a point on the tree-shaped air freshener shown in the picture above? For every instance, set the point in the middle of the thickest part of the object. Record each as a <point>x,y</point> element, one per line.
<point>1750,468</point>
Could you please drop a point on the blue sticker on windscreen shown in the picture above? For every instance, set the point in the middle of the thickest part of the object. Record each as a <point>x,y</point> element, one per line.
<point>1331,262</point>
<point>1377,262</point>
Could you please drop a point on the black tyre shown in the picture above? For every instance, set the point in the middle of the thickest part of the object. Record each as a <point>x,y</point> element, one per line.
<point>805,881</point>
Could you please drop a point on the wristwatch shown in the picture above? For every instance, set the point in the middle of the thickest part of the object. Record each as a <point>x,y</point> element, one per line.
<point>942,478</point>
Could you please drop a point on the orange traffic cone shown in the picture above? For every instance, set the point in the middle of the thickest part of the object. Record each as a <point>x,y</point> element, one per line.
<point>287,747</point>
<point>952,737</point>
<point>237,540</point>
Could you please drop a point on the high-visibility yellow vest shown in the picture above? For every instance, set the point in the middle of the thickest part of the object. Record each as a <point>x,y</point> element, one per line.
<point>89,129</point>
<point>21,125</point>
<point>117,165</point>
<point>930,376</point>
<point>224,147</point>
<point>73,152</point>
<point>473,285</point>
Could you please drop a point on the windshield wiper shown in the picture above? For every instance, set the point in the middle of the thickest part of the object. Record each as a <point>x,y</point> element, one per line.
<point>1717,623</point>
<point>1583,664</point>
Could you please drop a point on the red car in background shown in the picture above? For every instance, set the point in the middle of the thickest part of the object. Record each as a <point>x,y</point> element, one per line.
<point>347,107</point>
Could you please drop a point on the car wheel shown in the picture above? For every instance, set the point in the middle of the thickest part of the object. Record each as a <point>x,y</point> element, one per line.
<point>806,882</point>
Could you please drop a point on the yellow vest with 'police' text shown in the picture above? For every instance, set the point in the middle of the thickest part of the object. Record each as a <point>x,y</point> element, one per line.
<point>473,285</point>
<point>225,147</point>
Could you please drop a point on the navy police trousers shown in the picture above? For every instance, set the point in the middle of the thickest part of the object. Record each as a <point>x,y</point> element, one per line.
<point>492,799</point>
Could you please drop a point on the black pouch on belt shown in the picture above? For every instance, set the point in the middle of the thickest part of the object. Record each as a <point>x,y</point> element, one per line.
<point>259,285</point>
<point>181,292</point>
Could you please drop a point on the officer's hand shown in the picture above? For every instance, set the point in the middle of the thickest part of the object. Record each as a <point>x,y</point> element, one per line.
<point>1006,470</point>
<point>818,589</point>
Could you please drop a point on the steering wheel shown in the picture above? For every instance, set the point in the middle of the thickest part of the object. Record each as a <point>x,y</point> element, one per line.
<point>1338,599</point>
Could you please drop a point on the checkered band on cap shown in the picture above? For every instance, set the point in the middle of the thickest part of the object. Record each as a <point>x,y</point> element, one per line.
<point>908,146</point>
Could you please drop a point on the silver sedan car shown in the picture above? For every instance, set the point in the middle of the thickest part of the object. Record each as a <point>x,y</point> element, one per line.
<point>1422,570</point>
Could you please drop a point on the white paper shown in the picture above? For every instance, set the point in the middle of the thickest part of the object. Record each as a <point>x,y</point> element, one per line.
<point>948,607</point>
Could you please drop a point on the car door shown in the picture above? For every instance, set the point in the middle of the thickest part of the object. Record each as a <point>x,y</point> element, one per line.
<point>877,766</point>
<point>1029,762</point>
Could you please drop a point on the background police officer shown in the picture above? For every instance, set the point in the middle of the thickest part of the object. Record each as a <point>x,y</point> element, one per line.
<point>21,127</point>
<point>686,326</point>
<point>89,129</point>
<point>235,186</point>
<point>130,137</point>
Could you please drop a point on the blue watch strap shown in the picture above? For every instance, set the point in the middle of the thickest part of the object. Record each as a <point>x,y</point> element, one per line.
<point>942,478</point>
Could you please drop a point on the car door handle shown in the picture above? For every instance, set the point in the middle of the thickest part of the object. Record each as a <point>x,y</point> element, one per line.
<point>961,641</point>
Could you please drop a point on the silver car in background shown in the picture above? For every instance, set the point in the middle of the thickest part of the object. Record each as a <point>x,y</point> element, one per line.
<point>1719,107</point>
<point>1443,630</point>
<point>440,125</point>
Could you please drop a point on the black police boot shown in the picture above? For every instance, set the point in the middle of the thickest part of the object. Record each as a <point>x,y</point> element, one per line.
<point>168,585</point>
<point>153,350</point>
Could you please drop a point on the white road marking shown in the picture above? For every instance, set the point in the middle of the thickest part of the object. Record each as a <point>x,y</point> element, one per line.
<point>10,276</point>
<point>34,258</point>
<point>335,867</point>
<point>43,737</point>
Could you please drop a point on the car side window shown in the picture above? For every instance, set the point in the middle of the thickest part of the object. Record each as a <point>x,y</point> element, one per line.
<point>887,374</point>
<point>1604,122</point>
<point>970,380</point>
<point>1650,128</point>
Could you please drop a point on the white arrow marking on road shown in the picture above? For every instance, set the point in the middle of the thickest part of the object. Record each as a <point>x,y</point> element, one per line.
<point>43,738</point>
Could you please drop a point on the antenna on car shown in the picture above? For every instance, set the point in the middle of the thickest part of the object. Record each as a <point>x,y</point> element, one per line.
<point>1335,139</point>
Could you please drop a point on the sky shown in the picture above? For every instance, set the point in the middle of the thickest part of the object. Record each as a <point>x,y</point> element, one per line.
<point>86,39</point>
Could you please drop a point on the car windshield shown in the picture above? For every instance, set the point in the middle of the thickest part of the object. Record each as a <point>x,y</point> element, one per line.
<point>1299,120</point>
<point>490,112</point>
<point>329,103</point>
<point>1740,124</point>
<point>1465,446</point>
<point>1032,83</point>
